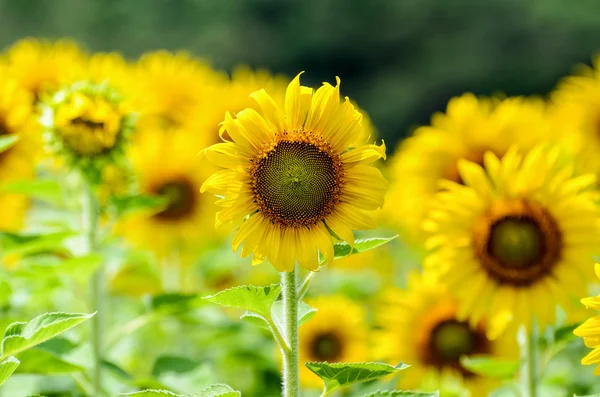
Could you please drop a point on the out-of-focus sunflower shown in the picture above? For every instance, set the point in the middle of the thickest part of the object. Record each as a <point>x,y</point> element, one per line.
<point>420,326</point>
<point>337,333</point>
<point>576,104</point>
<point>168,165</point>
<point>292,177</point>
<point>42,66</point>
<point>110,68</point>
<point>16,161</point>
<point>517,238</point>
<point>590,331</point>
<point>469,127</point>
<point>168,89</point>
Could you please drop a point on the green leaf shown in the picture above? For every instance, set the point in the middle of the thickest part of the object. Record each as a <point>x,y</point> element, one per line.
<point>338,375</point>
<point>565,333</point>
<point>30,244</point>
<point>42,362</point>
<point>46,190</point>
<point>175,364</point>
<point>342,249</point>
<point>400,393</point>
<point>5,293</point>
<point>7,141</point>
<point>490,366</point>
<point>248,297</point>
<point>174,302</point>
<point>7,367</point>
<point>211,391</point>
<point>20,336</point>
<point>305,313</point>
<point>592,395</point>
<point>124,205</point>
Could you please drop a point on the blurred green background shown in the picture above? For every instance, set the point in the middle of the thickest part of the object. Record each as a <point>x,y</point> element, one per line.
<point>401,60</point>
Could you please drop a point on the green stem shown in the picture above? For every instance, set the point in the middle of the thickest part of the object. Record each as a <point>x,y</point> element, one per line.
<point>529,357</point>
<point>91,213</point>
<point>304,288</point>
<point>291,380</point>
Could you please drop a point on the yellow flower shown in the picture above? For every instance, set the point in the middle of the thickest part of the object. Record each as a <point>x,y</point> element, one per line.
<point>109,68</point>
<point>470,127</point>
<point>18,161</point>
<point>168,165</point>
<point>590,331</point>
<point>292,176</point>
<point>42,66</point>
<point>575,104</point>
<point>337,333</point>
<point>517,238</point>
<point>421,327</point>
<point>170,90</point>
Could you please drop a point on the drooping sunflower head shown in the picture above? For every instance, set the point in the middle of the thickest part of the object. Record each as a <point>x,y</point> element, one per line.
<point>470,127</point>
<point>337,333</point>
<point>421,326</point>
<point>42,66</point>
<point>517,237</point>
<point>293,177</point>
<point>575,103</point>
<point>86,125</point>
<point>590,331</point>
<point>169,89</point>
<point>168,166</point>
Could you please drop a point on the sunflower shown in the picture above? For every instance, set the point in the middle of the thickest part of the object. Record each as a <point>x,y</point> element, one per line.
<point>167,165</point>
<point>337,333</point>
<point>293,178</point>
<point>590,330</point>
<point>42,66</point>
<point>575,103</point>
<point>170,90</point>
<point>516,238</point>
<point>470,127</point>
<point>421,326</point>
<point>110,68</point>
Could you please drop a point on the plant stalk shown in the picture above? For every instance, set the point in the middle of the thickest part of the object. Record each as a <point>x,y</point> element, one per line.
<point>91,214</point>
<point>529,359</point>
<point>291,379</point>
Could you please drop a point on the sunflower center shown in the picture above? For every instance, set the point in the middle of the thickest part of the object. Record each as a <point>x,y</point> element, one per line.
<point>327,347</point>
<point>80,121</point>
<point>181,199</point>
<point>450,340</point>
<point>296,183</point>
<point>518,243</point>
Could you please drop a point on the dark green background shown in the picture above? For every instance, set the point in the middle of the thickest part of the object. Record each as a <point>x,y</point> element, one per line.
<point>400,60</point>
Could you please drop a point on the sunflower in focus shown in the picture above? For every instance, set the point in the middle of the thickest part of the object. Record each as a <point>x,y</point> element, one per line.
<point>16,161</point>
<point>171,90</point>
<point>516,238</point>
<point>590,330</point>
<point>293,178</point>
<point>420,326</point>
<point>469,127</point>
<point>168,166</point>
<point>575,103</point>
<point>42,67</point>
<point>337,333</point>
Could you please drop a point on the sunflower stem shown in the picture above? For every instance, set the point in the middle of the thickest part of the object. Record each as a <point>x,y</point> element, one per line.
<point>529,356</point>
<point>91,213</point>
<point>291,380</point>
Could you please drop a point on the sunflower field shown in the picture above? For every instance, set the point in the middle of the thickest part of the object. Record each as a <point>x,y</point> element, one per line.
<point>179,218</point>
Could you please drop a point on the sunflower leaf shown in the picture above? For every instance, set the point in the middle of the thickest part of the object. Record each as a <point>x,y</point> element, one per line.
<point>46,190</point>
<point>217,390</point>
<point>30,244</point>
<point>6,142</point>
<point>7,367</point>
<point>343,249</point>
<point>124,205</point>
<point>305,313</point>
<point>489,366</point>
<point>400,393</point>
<point>248,297</point>
<point>338,375</point>
<point>42,362</point>
<point>20,336</point>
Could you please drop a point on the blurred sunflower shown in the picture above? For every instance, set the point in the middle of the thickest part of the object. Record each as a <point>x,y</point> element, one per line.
<point>289,178</point>
<point>470,127</point>
<point>337,333</point>
<point>590,330</point>
<point>42,66</point>
<point>516,238</point>
<point>110,68</point>
<point>420,326</point>
<point>576,103</point>
<point>168,165</point>
<point>16,161</point>
<point>169,89</point>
